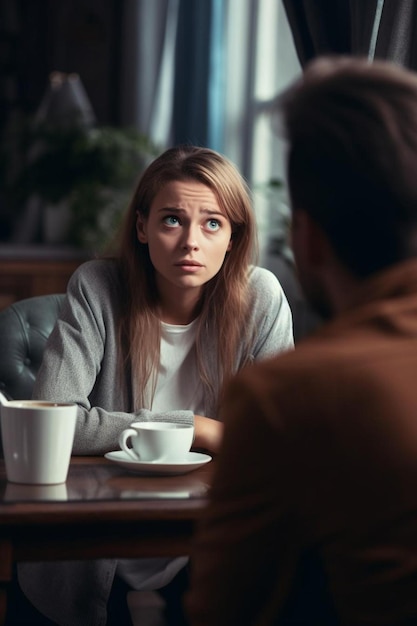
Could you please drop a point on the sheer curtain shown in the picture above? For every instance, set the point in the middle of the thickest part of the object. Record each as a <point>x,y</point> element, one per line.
<point>261,61</point>
<point>199,71</point>
<point>171,83</point>
<point>148,40</point>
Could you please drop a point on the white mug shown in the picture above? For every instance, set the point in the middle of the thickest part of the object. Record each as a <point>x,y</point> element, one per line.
<point>157,441</point>
<point>37,440</point>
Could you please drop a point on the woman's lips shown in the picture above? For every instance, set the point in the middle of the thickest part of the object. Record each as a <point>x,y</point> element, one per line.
<point>189,266</point>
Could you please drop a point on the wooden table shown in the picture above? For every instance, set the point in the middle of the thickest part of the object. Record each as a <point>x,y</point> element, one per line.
<point>102,511</point>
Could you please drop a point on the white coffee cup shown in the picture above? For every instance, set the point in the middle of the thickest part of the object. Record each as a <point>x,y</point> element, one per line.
<point>157,441</point>
<point>37,440</point>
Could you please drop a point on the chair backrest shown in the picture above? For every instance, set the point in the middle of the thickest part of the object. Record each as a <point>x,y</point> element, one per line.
<point>24,328</point>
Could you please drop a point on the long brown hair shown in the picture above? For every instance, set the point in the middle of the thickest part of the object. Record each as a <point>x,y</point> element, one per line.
<point>224,298</point>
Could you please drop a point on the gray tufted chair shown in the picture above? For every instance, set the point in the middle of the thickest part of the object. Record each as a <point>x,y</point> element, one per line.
<point>24,328</point>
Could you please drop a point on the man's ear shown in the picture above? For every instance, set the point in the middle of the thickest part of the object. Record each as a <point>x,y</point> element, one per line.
<point>318,242</point>
<point>309,239</point>
<point>141,230</point>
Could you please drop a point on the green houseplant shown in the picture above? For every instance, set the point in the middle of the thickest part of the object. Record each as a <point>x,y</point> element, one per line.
<point>91,171</point>
<point>272,195</point>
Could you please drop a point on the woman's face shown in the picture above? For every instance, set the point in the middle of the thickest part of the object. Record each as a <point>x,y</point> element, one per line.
<point>188,236</point>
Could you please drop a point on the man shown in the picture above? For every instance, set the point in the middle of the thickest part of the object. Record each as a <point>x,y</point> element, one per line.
<point>313,511</point>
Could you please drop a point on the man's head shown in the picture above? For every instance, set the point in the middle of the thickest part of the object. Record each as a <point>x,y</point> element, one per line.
<point>351,127</point>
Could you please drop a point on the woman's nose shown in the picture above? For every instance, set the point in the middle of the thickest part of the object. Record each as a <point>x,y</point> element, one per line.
<point>190,239</point>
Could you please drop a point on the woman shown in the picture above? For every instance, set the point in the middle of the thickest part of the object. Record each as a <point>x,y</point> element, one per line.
<point>151,334</point>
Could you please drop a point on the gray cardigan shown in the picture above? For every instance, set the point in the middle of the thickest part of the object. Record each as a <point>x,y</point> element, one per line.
<point>80,362</point>
<point>80,365</point>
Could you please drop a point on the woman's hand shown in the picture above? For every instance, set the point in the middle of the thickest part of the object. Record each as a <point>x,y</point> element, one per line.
<point>208,433</point>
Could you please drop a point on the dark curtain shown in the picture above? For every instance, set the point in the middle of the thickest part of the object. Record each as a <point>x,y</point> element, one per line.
<point>346,27</point>
<point>330,26</point>
<point>192,66</point>
<point>397,38</point>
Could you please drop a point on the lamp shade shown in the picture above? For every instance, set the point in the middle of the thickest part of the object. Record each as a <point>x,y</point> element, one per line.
<point>65,102</point>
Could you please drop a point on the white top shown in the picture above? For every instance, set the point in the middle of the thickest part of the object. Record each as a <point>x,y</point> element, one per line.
<point>178,386</point>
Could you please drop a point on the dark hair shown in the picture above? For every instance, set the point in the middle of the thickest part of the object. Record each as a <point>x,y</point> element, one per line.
<point>352,161</point>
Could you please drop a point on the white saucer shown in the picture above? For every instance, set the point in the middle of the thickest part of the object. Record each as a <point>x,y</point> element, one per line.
<point>192,461</point>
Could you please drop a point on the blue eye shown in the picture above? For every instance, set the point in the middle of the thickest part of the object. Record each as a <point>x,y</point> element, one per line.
<point>213,225</point>
<point>171,220</point>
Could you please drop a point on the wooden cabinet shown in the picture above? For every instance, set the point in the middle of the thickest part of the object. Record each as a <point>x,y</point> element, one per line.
<point>35,271</point>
